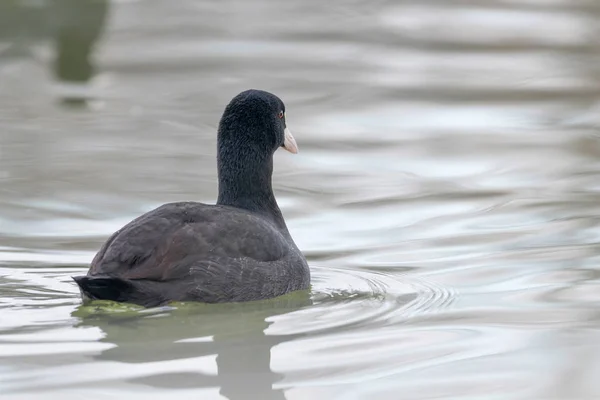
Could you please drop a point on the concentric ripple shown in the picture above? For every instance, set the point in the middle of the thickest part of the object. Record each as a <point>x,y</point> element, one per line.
<point>44,302</point>
<point>345,299</point>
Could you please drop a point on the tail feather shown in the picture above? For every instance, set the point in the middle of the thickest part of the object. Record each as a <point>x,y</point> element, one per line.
<point>142,292</point>
<point>104,288</point>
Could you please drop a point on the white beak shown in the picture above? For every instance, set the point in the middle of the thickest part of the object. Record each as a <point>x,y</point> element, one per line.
<point>290,143</point>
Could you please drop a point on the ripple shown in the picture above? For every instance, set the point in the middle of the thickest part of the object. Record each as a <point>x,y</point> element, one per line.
<point>342,302</point>
<point>346,299</point>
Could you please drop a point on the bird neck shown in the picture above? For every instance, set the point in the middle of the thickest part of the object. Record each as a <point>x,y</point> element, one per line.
<point>245,182</point>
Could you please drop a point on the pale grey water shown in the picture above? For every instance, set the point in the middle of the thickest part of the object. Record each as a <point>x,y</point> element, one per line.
<point>446,194</point>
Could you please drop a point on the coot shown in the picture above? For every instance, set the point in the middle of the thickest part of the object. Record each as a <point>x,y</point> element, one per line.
<point>237,250</point>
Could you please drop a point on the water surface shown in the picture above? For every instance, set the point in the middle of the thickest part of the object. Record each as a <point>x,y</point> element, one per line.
<point>446,195</point>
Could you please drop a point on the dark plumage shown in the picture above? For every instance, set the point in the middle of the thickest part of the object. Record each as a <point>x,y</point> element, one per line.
<point>237,250</point>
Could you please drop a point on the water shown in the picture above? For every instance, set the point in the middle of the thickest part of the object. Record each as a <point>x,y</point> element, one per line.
<point>446,195</point>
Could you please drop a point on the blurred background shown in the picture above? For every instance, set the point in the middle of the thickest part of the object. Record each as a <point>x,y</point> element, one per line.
<point>446,195</point>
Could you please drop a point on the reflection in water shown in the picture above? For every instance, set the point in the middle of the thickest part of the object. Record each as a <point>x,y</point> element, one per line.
<point>235,333</point>
<point>79,26</point>
<point>73,28</point>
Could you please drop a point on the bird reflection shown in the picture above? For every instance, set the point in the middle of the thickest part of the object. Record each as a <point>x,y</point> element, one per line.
<point>242,349</point>
<point>73,28</point>
<point>78,28</point>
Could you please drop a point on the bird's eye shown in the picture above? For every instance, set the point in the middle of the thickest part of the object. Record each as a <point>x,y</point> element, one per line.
<point>281,114</point>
